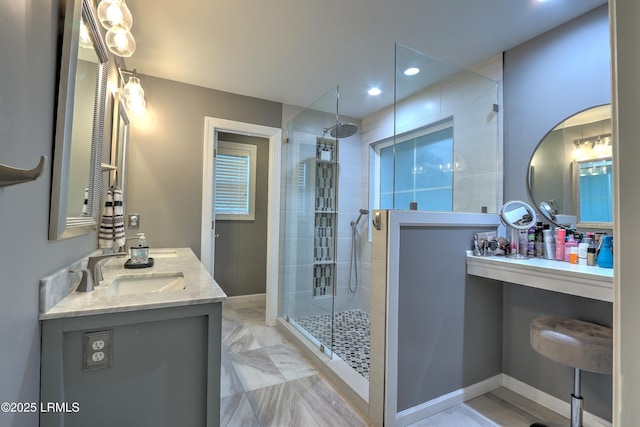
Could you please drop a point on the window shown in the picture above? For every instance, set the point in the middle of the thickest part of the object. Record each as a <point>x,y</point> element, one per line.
<point>419,170</point>
<point>235,181</point>
<point>595,190</point>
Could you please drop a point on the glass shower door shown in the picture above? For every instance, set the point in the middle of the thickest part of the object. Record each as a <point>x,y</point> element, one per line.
<point>310,201</point>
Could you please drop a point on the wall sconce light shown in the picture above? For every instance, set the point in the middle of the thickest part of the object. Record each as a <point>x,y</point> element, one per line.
<point>133,92</point>
<point>121,42</point>
<point>115,14</point>
<point>592,147</point>
<point>115,17</point>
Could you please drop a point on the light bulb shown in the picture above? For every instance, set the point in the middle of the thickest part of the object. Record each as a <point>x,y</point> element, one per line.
<point>136,105</point>
<point>133,88</point>
<point>114,14</point>
<point>121,42</point>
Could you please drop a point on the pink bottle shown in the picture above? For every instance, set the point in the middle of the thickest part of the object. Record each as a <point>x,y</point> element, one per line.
<point>560,236</point>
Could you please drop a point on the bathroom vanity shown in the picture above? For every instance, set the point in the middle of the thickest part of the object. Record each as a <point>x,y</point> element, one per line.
<point>129,354</point>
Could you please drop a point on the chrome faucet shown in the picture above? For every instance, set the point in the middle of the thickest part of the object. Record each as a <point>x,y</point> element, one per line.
<point>92,275</point>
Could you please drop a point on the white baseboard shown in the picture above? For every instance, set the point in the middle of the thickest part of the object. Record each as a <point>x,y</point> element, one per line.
<point>449,400</point>
<point>551,402</point>
<point>444,402</point>
<point>247,299</point>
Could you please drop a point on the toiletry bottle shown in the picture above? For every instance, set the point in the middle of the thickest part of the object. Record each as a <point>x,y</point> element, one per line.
<point>605,256</point>
<point>583,248</point>
<point>591,256</point>
<point>531,241</point>
<point>549,250</point>
<point>560,236</point>
<point>568,247</point>
<point>592,252</point>
<point>524,242</point>
<point>539,240</point>
<point>574,255</point>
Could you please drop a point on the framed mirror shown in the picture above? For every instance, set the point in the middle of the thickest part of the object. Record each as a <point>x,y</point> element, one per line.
<point>81,103</point>
<point>570,172</point>
<point>119,143</point>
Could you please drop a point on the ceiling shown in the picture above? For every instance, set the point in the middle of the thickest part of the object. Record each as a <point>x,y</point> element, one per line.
<point>295,51</point>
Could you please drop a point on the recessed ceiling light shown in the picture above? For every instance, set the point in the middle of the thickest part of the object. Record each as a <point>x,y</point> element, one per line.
<point>412,71</point>
<point>374,91</point>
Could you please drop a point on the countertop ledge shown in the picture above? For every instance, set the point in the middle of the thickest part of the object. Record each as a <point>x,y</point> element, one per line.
<point>558,276</point>
<point>200,289</point>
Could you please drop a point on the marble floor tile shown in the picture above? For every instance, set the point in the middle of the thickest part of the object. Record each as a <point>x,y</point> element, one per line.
<point>256,370</point>
<point>510,409</point>
<point>266,335</point>
<point>458,416</point>
<point>291,364</point>
<point>280,406</point>
<point>236,411</point>
<point>328,407</point>
<point>230,383</point>
<point>236,337</point>
<point>255,315</point>
<point>229,313</point>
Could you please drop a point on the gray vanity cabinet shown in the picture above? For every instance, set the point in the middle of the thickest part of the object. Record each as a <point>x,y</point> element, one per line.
<point>165,369</point>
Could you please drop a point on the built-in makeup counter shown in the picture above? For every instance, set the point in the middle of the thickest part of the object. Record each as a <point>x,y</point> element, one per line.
<point>574,279</point>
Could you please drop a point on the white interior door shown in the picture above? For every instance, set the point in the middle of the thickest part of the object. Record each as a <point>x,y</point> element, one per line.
<point>208,243</point>
<point>207,236</point>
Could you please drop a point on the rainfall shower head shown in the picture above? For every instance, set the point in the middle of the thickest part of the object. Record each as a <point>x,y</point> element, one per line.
<point>341,130</point>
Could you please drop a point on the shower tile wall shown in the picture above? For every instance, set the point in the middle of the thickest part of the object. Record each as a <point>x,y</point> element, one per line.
<point>352,196</point>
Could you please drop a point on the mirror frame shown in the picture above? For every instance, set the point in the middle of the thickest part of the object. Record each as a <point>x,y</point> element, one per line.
<point>60,225</point>
<point>119,144</point>
<point>572,184</point>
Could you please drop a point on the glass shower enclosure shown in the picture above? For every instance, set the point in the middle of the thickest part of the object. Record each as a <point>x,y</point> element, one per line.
<point>310,161</point>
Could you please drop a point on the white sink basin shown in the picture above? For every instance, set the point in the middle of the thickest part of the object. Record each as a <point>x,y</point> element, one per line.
<point>163,253</point>
<point>145,283</point>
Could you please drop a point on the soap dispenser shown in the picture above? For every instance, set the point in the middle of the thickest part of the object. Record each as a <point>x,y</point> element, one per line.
<point>140,254</point>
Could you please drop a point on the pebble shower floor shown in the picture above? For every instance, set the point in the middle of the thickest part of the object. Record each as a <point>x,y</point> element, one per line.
<point>351,338</point>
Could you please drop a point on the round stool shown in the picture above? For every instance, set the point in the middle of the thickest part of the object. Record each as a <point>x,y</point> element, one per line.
<point>580,345</point>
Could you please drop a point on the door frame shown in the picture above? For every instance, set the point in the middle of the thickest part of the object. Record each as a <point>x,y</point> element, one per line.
<point>274,135</point>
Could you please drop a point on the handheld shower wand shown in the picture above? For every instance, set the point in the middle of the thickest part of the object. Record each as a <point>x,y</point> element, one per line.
<point>353,264</point>
<point>362,212</point>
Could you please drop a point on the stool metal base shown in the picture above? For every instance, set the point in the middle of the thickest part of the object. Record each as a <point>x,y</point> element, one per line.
<point>576,411</point>
<point>576,400</point>
<point>576,403</point>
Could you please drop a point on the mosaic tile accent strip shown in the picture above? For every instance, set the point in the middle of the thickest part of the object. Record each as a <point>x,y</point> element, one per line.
<point>323,280</point>
<point>351,338</point>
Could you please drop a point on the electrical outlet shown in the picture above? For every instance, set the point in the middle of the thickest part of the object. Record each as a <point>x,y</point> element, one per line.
<point>98,350</point>
<point>134,220</point>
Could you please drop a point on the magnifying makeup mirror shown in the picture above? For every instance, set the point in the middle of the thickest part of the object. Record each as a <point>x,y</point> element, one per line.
<point>517,215</point>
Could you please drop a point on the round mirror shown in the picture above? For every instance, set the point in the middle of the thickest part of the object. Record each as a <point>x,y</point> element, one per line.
<point>517,216</point>
<point>570,177</point>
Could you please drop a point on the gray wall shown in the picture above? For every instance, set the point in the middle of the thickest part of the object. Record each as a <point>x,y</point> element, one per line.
<point>241,249</point>
<point>164,177</point>
<point>27,88</point>
<point>450,323</point>
<point>546,80</point>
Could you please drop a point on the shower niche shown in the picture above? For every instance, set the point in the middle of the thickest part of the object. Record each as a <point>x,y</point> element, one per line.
<point>325,218</point>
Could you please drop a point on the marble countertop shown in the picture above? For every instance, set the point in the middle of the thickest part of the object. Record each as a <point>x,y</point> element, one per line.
<point>200,288</point>
<point>581,280</point>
